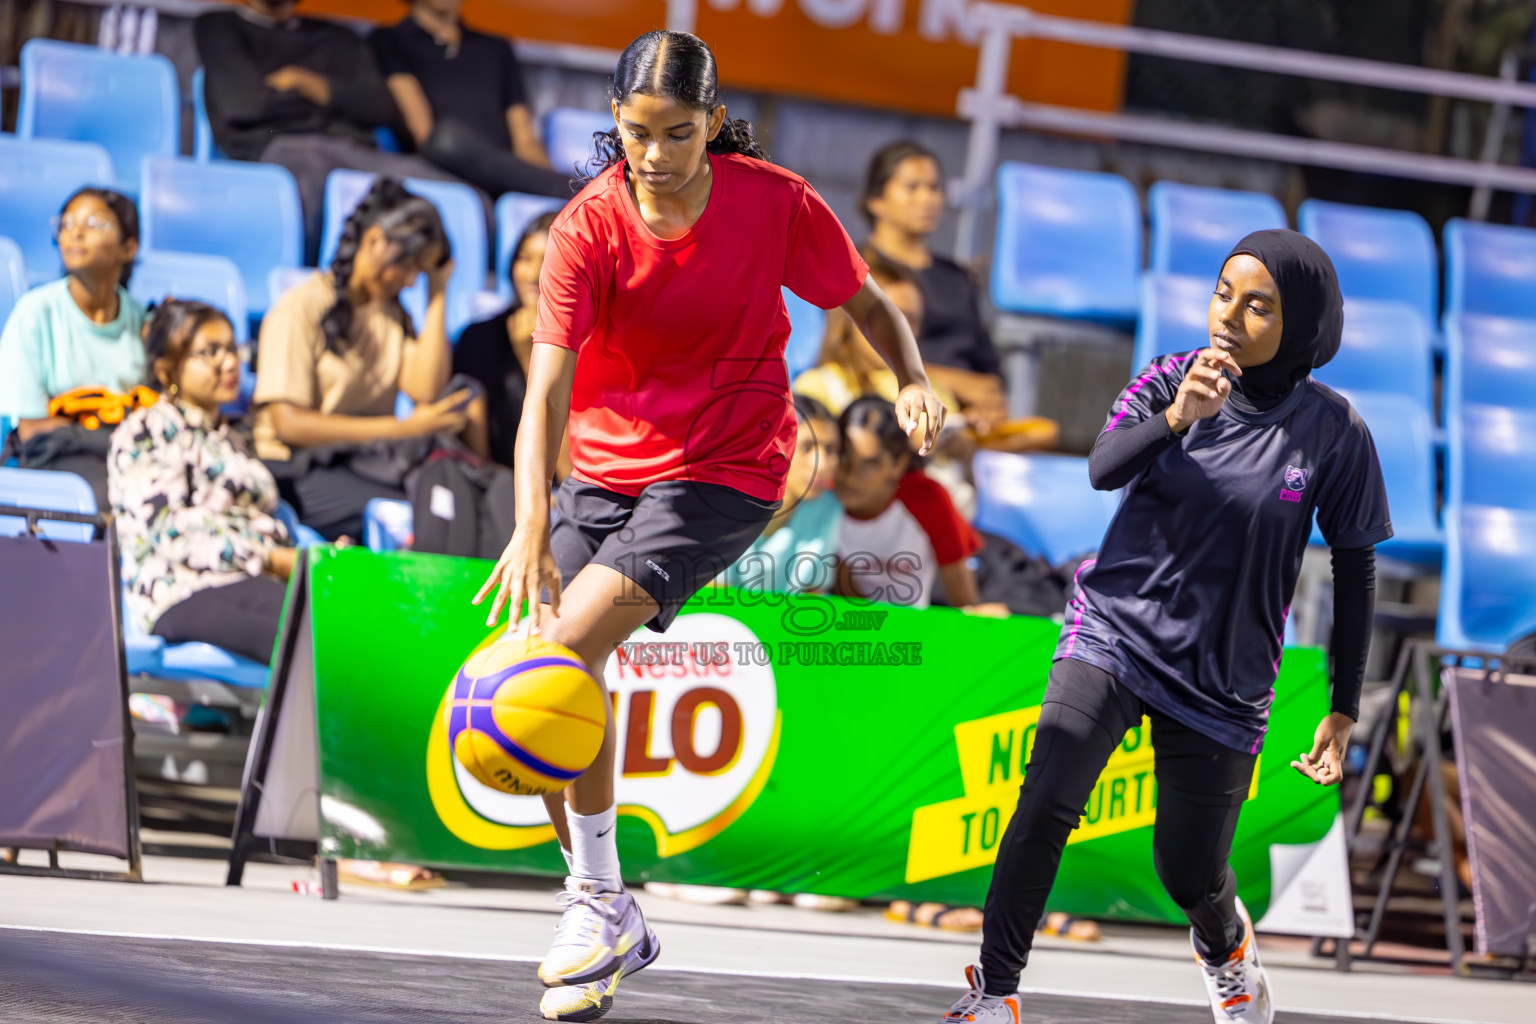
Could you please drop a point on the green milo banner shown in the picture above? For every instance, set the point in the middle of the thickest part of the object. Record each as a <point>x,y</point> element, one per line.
<point>795,744</point>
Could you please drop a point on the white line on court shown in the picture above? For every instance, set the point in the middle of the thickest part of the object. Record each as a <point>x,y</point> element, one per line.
<point>340,947</point>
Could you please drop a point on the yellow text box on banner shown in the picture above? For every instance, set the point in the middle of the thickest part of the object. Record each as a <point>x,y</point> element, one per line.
<point>964,833</point>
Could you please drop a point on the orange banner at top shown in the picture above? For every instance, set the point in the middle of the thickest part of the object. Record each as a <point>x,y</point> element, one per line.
<point>913,55</point>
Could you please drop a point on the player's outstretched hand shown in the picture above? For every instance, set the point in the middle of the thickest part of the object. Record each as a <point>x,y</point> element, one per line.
<point>525,568</point>
<point>918,409</point>
<point>1325,764</point>
<point>1204,389</point>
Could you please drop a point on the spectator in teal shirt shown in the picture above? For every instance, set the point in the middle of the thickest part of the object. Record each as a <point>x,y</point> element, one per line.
<point>82,330</point>
<point>797,551</point>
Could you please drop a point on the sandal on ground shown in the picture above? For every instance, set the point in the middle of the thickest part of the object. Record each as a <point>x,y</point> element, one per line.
<point>944,916</point>
<point>1058,925</point>
<point>388,875</point>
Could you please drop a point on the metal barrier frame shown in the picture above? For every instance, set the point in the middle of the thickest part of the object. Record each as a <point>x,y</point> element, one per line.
<point>135,872</point>
<point>989,108</point>
<point>1418,672</point>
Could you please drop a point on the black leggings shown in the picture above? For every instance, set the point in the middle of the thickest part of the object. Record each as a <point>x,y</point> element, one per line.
<point>240,617</point>
<point>1201,786</point>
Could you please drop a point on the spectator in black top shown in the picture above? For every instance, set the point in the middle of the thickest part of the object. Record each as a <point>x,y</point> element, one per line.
<point>496,351</point>
<point>903,199</point>
<point>460,93</point>
<point>300,92</point>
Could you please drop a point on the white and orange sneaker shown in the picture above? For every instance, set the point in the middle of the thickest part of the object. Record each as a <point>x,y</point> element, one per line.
<point>1239,988</point>
<point>976,1007</point>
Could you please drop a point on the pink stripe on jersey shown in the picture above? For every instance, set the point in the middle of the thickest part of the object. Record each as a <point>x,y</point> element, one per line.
<point>1137,385</point>
<point>1082,604</point>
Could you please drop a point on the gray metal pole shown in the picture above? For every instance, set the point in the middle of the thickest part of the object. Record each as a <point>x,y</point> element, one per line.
<point>981,146</point>
<point>1012,112</point>
<point>1493,141</point>
<point>1022,22</point>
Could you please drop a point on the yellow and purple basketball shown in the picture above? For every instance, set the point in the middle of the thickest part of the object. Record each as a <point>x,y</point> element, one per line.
<point>525,716</point>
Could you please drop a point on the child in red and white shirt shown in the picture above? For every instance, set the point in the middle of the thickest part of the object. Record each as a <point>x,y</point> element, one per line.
<point>901,530</point>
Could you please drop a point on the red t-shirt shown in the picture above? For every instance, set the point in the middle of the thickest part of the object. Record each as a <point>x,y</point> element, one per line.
<point>679,343</point>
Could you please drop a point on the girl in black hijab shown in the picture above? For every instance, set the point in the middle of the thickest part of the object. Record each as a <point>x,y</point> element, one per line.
<point>1225,454</point>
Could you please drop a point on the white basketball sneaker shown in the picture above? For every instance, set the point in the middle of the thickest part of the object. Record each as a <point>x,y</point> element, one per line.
<point>596,932</point>
<point>595,998</point>
<point>1239,988</point>
<point>976,1007</point>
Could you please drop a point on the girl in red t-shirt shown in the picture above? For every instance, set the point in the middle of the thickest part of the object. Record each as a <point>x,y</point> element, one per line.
<point>659,345</point>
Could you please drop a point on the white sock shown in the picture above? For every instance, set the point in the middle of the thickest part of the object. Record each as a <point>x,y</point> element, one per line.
<point>570,860</point>
<point>594,850</point>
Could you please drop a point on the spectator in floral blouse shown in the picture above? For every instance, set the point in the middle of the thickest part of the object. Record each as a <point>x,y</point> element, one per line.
<point>204,557</point>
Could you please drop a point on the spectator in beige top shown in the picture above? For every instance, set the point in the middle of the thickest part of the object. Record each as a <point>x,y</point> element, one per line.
<point>336,351</point>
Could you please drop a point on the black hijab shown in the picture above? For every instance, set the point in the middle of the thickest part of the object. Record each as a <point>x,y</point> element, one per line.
<point>1310,305</point>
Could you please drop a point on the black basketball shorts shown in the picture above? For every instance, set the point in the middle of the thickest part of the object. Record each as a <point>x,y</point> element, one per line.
<point>670,540</point>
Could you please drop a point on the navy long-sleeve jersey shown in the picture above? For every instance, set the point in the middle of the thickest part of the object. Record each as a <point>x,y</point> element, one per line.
<point>1187,601</point>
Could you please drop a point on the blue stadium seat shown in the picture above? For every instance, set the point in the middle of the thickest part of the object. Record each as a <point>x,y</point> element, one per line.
<point>1488,591</point>
<point>35,179</point>
<point>204,148</point>
<point>246,212</point>
<point>13,278</point>
<point>215,280</point>
<point>1403,432</point>
<point>1193,228</point>
<point>1387,347</point>
<point>50,491</point>
<point>205,661</point>
<point>129,105</point>
<point>302,535</point>
<point>387,524</point>
<point>1379,254</point>
<point>1492,360</point>
<point>1174,317</point>
<point>1068,244</point>
<point>1489,269</point>
<point>463,218</point>
<point>1043,503</point>
<point>514,212</point>
<point>807,327</point>
<point>568,136</point>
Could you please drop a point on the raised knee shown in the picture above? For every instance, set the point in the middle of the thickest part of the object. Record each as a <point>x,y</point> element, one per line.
<point>1041,809</point>
<point>1185,887</point>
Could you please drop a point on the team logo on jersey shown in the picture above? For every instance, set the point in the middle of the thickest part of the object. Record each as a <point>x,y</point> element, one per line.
<point>698,734</point>
<point>1295,483</point>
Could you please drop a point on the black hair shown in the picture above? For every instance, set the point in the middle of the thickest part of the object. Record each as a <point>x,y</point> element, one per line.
<point>541,223</point>
<point>122,208</point>
<point>680,67</point>
<point>808,408</point>
<point>882,168</point>
<point>170,328</point>
<point>412,226</point>
<point>878,416</point>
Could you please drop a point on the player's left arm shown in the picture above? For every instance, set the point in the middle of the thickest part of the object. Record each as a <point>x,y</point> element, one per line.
<point>888,331</point>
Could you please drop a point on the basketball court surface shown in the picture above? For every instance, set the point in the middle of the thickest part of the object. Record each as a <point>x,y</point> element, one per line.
<point>184,949</point>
